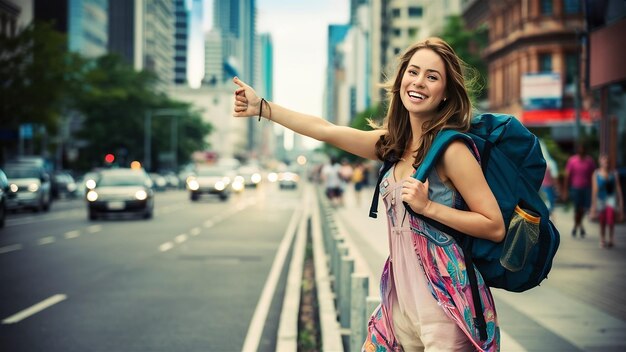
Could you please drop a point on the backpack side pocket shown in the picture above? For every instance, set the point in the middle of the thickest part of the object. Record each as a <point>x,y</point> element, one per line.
<point>521,237</point>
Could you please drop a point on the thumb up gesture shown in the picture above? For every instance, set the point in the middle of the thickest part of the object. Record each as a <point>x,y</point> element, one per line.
<point>247,103</point>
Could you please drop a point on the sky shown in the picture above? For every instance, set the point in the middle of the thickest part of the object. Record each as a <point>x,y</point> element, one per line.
<point>299,30</point>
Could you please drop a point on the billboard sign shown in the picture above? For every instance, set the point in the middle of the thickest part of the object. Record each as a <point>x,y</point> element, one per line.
<point>542,91</point>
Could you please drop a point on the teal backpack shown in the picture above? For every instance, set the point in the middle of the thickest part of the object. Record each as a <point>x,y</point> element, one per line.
<point>514,167</point>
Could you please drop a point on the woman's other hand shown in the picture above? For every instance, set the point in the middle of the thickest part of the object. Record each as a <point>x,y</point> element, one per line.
<point>415,194</point>
<point>247,102</point>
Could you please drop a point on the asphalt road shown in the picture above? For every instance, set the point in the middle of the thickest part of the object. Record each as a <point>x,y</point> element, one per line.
<point>189,279</point>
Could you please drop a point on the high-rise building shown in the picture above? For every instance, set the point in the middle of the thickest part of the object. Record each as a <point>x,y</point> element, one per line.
<point>181,40</point>
<point>15,15</point>
<point>213,58</point>
<point>236,22</point>
<point>195,51</point>
<point>334,70</point>
<point>85,22</point>
<point>144,35</point>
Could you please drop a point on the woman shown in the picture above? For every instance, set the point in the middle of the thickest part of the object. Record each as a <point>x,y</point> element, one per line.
<point>606,200</point>
<point>427,302</point>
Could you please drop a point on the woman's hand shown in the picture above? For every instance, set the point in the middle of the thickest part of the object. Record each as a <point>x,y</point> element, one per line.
<point>415,194</point>
<point>247,102</point>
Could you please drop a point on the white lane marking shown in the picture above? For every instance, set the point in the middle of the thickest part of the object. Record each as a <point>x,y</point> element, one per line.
<point>46,240</point>
<point>181,238</point>
<point>195,231</point>
<point>208,224</point>
<point>32,310</point>
<point>257,323</point>
<point>72,234</point>
<point>11,248</point>
<point>166,246</point>
<point>94,228</point>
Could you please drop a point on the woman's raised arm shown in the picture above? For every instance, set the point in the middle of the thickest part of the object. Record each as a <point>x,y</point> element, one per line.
<point>352,140</point>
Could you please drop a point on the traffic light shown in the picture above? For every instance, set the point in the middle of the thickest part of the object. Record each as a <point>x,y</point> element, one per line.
<point>109,158</point>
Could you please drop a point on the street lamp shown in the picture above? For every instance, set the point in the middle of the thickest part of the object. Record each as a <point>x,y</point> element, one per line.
<point>147,141</point>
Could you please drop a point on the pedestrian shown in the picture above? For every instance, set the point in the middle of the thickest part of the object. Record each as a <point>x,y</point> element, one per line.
<point>578,171</point>
<point>548,185</point>
<point>359,180</point>
<point>425,297</point>
<point>332,181</point>
<point>607,204</point>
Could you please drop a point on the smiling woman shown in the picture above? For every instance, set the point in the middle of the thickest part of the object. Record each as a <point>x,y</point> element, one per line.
<point>426,308</point>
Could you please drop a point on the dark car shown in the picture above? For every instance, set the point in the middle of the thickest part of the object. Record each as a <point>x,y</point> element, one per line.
<point>210,180</point>
<point>121,191</point>
<point>63,185</point>
<point>30,184</point>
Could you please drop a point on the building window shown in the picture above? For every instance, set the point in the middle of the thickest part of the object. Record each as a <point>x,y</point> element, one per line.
<point>396,51</point>
<point>545,63</point>
<point>571,68</point>
<point>412,32</point>
<point>546,7</point>
<point>397,32</point>
<point>572,7</point>
<point>415,12</point>
<point>395,13</point>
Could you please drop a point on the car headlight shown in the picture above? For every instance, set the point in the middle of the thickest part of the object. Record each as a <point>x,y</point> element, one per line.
<point>90,184</point>
<point>256,178</point>
<point>92,196</point>
<point>193,184</point>
<point>71,187</point>
<point>272,177</point>
<point>219,185</point>
<point>33,187</point>
<point>237,185</point>
<point>141,195</point>
<point>238,179</point>
<point>13,187</point>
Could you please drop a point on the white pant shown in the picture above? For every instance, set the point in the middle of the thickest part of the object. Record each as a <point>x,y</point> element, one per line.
<point>434,332</point>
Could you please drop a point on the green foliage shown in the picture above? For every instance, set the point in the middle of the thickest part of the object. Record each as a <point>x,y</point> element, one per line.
<point>361,122</point>
<point>115,102</point>
<point>38,77</point>
<point>468,45</point>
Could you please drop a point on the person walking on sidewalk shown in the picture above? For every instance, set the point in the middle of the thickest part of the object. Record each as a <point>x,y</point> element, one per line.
<point>425,298</point>
<point>606,200</point>
<point>578,171</point>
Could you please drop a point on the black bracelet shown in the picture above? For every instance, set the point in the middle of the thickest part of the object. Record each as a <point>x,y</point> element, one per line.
<point>261,108</point>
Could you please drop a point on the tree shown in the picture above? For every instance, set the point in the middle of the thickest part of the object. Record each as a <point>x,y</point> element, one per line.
<point>360,121</point>
<point>38,76</point>
<point>468,45</point>
<point>115,101</point>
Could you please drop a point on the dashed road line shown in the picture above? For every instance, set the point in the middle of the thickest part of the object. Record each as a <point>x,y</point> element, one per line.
<point>10,248</point>
<point>181,238</point>
<point>32,310</point>
<point>94,228</point>
<point>166,246</point>
<point>72,234</point>
<point>46,240</point>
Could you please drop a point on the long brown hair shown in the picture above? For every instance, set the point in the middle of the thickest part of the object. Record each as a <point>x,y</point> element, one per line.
<point>454,113</point>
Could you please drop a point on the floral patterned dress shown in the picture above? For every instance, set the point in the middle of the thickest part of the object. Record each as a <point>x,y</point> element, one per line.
<point>441,260</point>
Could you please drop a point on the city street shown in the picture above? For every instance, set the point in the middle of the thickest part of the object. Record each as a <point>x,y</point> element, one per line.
<point>188,280</point>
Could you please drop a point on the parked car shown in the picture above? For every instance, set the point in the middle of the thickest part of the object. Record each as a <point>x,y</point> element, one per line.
<point>31,186</point>
<point>210,180</point>
<point>4,197</point>
<point>121,191</point>
<point>63,185</point>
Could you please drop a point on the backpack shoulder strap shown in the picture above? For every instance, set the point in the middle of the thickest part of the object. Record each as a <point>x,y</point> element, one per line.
<point>374,207</point>
<point>440,143</point>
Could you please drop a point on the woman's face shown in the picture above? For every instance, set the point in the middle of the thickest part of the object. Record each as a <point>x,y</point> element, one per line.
<point>423,84</point>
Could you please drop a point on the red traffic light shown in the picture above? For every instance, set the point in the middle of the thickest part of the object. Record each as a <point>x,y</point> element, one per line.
<point>109,158</point>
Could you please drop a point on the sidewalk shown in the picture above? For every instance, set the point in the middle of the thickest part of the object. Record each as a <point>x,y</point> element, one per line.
<point>580,307</point>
